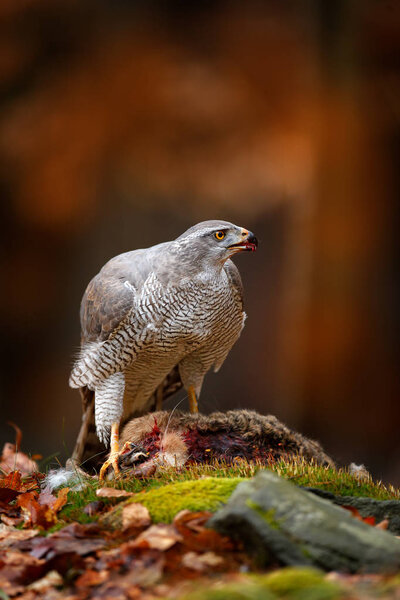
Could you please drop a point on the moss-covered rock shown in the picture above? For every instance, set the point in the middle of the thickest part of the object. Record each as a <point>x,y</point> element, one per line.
<point>275,520</point>
<point>165,502</point>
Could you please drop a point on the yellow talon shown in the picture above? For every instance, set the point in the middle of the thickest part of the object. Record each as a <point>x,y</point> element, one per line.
<point>193,406</point>
<point>112,460</point>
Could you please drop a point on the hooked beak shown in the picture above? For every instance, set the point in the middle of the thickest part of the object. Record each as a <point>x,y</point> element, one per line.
<point>247,243</point>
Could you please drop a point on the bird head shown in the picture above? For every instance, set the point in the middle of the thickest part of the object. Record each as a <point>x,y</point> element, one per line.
<point>216,241</point>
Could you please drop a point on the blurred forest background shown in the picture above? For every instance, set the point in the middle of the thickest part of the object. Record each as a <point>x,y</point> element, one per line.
<point>123,123</point>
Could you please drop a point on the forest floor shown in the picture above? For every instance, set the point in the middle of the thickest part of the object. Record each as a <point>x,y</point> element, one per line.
<point>147,538</point>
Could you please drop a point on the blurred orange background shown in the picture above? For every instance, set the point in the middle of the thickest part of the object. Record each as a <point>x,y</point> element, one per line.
<point>123,123</point>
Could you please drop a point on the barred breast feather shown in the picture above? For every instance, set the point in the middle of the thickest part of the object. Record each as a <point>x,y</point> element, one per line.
<point>165,319</point>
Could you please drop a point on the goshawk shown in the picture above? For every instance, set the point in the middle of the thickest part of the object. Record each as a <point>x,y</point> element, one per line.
<point>173,310</point>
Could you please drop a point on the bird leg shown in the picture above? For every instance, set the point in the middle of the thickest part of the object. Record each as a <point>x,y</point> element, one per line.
<point>193,406</point>
<point>115,452</point>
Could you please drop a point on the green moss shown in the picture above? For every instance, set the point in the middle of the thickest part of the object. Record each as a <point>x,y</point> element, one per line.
<point>289,583</point>
<point>250,590</point>
<point>204,494</point>
<point>297,469</point>
<point>338,481</point>
<point>267,515</point>
<point>165,502</point>
<point>301,583</point>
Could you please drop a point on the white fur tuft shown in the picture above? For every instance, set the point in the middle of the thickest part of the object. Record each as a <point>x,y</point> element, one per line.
<point>58,477</point>
<point>359,472</point>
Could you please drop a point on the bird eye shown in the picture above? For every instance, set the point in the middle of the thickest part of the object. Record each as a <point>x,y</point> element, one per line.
<point>219,235</point>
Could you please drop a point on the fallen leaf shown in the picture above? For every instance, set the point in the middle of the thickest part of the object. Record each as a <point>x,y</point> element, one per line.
<point>9,585</point>
<point>92,578</point>
<point>354,511</point>
<point>53,546</point>
<point>383,524</point>
<point>46,497</point>
<point>8,494</point>
<point>194,521</point>
<point>11,521</point>
<point>18,570</point>
<point>79,530</point>
<point>356,514</point>
<point>17,558</point>
<point>12,481</point>
<point>52,579</point>
<point>12,459</point>
<point>135,515</point>
<point>34,513</point>
<point>158,537</point>
<point>191,526</point>
<point>61,499</point>
<point>201,562</point>
<point>108,492</point>
<point>10,535</point>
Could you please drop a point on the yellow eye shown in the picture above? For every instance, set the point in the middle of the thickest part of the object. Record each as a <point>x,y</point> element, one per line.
<point>219,235</point>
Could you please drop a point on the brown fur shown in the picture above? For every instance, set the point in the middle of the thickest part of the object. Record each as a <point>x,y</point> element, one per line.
<point>248,424</point>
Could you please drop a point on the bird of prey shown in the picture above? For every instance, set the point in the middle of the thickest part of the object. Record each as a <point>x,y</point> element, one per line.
<point>171,311</point>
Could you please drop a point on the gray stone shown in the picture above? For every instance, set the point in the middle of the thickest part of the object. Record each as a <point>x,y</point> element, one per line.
<point>367,507</point>
<point>276,520</point>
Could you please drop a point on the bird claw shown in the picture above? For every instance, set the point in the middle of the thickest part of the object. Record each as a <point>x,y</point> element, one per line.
<point>113,461</point>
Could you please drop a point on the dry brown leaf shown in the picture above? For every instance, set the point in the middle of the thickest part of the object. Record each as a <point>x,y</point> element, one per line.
<point>7,494</point>
<point>382,524</point>
<point>91,578</point>
<point>34,513</point>
<point>13,460</point>
<point>7,585</point>
<point>108,492</point>
<point>12,481</point>
<point>191,525</point>
<point>9,535</point>
<point>46,497</point>
<point>11,521</point>
<point>12,557</point>
<point>52,579</point>
<point>201,562</point>
<point>158,537</point>
<point>61,499</point>
<point>135,515</point>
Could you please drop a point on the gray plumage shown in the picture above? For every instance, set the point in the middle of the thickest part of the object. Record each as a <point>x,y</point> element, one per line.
<point>177,304</point>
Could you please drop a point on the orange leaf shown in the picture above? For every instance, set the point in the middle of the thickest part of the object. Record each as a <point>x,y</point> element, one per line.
<point>35,514</point>
<point>61,499</point>
<point>354,511</point>
<point>12,481</point>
